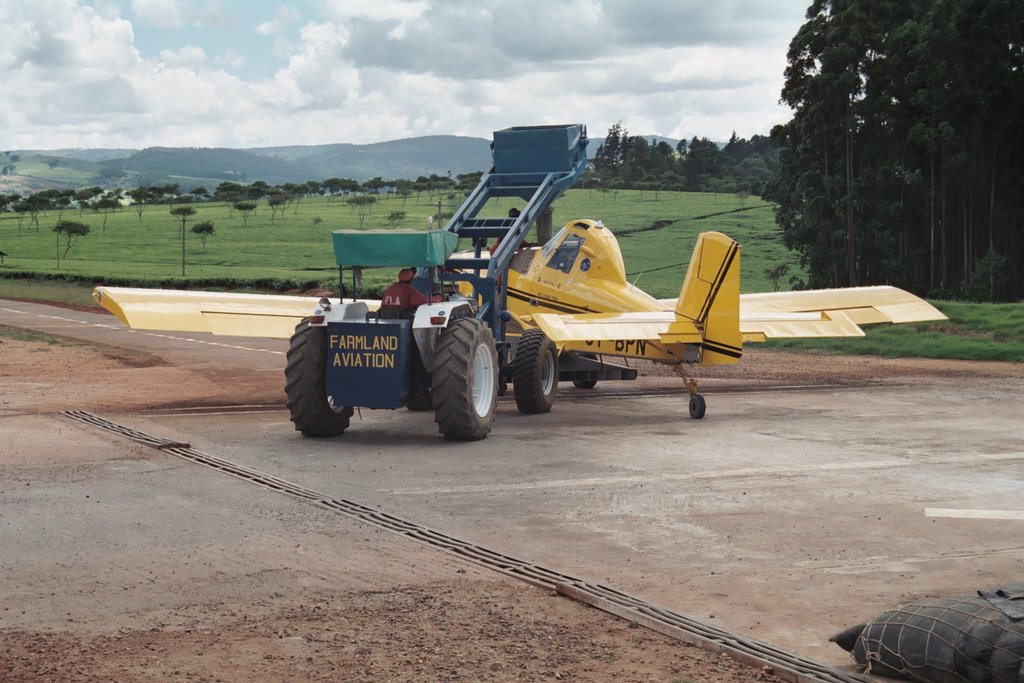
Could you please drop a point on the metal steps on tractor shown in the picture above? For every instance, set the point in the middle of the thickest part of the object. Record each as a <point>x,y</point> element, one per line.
<point>534,163</point>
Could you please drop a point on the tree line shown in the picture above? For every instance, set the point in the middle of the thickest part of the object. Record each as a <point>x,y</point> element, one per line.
<point>243,197</point>
<point>625,161</point>
<point>904,160</point>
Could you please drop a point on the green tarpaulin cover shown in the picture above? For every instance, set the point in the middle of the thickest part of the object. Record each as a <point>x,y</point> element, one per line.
<point>393,247</point>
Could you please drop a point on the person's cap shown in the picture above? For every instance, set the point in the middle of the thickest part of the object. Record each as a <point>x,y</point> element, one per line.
<point>406,274</point>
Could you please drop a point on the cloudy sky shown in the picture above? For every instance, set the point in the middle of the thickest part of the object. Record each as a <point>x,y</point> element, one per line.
<point>227,73</point>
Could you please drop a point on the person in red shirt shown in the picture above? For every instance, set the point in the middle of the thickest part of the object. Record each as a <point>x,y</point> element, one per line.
<point>401,299</point>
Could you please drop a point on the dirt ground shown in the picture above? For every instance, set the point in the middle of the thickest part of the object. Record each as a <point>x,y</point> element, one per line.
<point>393,611</point>
<point>430,617</point>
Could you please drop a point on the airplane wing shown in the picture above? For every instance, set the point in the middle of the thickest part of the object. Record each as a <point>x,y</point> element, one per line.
<point>829,312</point>
<point>772,315</point>
<point>242,315</point>
<point>826,312</point>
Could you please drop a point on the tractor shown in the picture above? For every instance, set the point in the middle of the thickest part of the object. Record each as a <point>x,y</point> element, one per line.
<point>452,356</point>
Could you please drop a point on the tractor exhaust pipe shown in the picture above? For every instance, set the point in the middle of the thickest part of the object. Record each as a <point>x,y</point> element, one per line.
<point>544,226</point>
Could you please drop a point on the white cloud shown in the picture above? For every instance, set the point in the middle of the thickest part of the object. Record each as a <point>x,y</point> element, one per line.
<point>317,74</point>
<point>229,58</point>
<point>542,30</point>
<point>51,42</point>
<point>188,57</point>
<point>378,10</point>
<point>277,27</point>
<point>159,13</point>
<point>283,19</point>
<point>178,14</point>
<point>364,71</point>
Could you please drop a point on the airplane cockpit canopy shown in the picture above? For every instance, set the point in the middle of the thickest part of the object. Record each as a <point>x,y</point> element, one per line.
<point>553,243</point>
<point>562,250</point>
<point>565,255</point>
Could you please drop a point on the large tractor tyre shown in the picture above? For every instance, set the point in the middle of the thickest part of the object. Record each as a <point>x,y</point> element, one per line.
<point>306,385</point>
<point>465,380</point>
<point>535,373</point>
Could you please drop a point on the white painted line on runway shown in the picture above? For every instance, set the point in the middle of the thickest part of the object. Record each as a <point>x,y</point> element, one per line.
<point>150,334</point>
<point>974,514</point>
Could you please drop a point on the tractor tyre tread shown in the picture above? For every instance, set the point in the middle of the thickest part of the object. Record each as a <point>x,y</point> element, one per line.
<point>306,384</point>
<point>452,380</point>
<point>527,368</point>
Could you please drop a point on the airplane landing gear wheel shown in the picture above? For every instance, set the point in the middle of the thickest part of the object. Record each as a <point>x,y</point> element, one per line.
<point>697,406</point>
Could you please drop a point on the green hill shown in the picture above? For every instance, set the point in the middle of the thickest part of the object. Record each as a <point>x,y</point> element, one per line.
<point>191,166</point>
<point>160,164</point>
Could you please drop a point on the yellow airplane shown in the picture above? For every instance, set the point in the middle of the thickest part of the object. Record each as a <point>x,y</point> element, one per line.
<point>574,290</point>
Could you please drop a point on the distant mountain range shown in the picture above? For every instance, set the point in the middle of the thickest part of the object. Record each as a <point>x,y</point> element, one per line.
<point>191,166</point>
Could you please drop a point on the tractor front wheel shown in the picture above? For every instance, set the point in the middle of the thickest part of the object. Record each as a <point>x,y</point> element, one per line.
<point>535,372</point>
<point>465,380</point>
<point>306,384</point>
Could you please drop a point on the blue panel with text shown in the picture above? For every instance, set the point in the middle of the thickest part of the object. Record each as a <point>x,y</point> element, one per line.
<point>368,363</point>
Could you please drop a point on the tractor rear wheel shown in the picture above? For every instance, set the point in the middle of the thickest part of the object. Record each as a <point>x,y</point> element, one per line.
<point>465,380</point>
<point>535,373</point>
<point>306,384</point>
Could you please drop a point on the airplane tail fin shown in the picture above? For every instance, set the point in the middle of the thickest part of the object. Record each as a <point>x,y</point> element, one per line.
<point>710,296</point>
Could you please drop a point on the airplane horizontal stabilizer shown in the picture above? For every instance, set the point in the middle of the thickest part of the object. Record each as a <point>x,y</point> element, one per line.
<point>654,335</point>
<point>637,325</point>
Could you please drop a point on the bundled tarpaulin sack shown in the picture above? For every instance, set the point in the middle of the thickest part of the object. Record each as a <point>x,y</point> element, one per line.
<point>972,639</point>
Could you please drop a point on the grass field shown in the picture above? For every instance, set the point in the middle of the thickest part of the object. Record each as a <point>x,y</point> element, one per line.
<point>68,171</point>
<point>973,332</point>
<point>656,233</point>
<point>297,245</point>
<point>47,290</point>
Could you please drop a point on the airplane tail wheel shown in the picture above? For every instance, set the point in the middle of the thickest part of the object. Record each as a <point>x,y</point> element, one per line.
<point>535,373</point>
<point>465,380</point>
<point>697,406</point>
<point>306,384</point>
